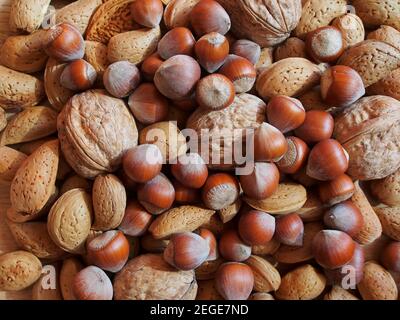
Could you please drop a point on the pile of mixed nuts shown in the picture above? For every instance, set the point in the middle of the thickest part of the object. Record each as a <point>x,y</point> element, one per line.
<point>201,149</point>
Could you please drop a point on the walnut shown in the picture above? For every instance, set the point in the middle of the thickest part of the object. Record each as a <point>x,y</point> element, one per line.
<point>95,130</point>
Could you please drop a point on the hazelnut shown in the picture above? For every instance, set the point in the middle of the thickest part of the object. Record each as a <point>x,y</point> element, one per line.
<point>147,13</point>
<point>240,71</point>
<point>325,44</point>
<point>212,243</point>
<point>185,195</point>
<point>215,92</point>
<point>247,49</point>
<point>150,66</point>
<point>391,256</point>
<point>121,78</point>
<point>232,247</point>
<point>269,143</point>
<point>79,75</point>
<point>337,190</point>
<point>318,125</point>
<point>290,230</point>
<point>295,157</point>
<point>220,190</point>
<point>190,170</point>
<point>136,220</point>
<point>256,227</point>
<point>176,41</point>
<point>92,283</point>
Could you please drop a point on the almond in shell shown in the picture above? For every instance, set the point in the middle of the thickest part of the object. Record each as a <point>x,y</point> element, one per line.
<point>177,13</point>
<point>338,293</point>
<point>390,220</point>
<point>10,161</point>
<point>266,277</point>
<point>378,12</point>
<point>27,15</point>
<point>386,34</point>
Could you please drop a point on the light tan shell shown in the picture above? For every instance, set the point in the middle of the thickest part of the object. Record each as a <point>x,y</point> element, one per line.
<point>387,190</point>
<point>149,277</point>
<point>267,22</point>
<point>290,254</point>
<point>313,209</point>
<point>303,283</point>
<point>226,128</point>
<point>29,147</point>
<point>208,269</point>
<point>386,34</point>
<point>319,13</point>
<point>266,277</point>
<point>369,131</point>
<point>133,46</point>
<point>34,181</point>
<point>10,161</point>
<point>207,290</point>
<point>265,60</point>
<point>24,53</point>
<point>111,18</point>
<point>27,15</point>
<point>78,13</point>
<point>228,213</point>
<point>31,124</point>
<point>266,249</point>
<point>292,48</point>
<point>109,202</point>
<point>42,289</point>
<point>19,90</point>
<point>96,55</point>
<point>177,13</point>
<point>351,27</point>
<point>390,220</point>
<point>75,182</point>
<point>3,119</point>
<point>372,228</point>
<point>338,293</point>
<point>290,77</point>
<point>289,197</point>
<point>33,237</point>
<point>387,86</point>
<point>372,59</point>
<point>377,12</point>
<point>261,296</point>
<point>90,148</point>
<point>180,219</point>
<point>377,283</point>
<point>69,269</point>
<point>312,100</point>
<point>70,219</point>
<point>18,270</point>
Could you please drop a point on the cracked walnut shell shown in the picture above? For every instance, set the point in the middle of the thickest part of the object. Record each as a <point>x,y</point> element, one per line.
<point>95,130</point>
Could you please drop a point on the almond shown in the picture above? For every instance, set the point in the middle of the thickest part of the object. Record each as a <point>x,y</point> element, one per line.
<point>319,13</point>
<point>390,220</point>
<point>180,219</point>
<point>266,277</point>
<point>289,197</point>
<point>265,60</point>
<point>19,90</point>
<point>313,209</point>
<point>293,47</point>
<point>177,13</point>
<point>228,213</point>
<point>372,59</point>
<point>18,270</point>
<point>75,182</point>
<point>33,237</point>
<point>338,293</point>
<point>266,249</point>
<point>303,283</point>
<point>111,18</point>
<point>34,181</point>
<point>372,228</point>
<point>27,15</point>
<point>3,119</point>
<point>387,190</point>
<point>134,46</point>
<point>207,291</point>
<point>30,124</point>
<point>377,12</point>
<point>109,202</point>
<point>96,55</point>
<point>24,53</point>
<point>10,161</point>
<point>386,34</point>
<point>261,296</point>
<point>208,269</point>
<point>387,86</point>
<point>312,100</point>
<point>69,269</point>
<point>56,93</point>
<point>69,220</point>
<point>351,27</point>
<point>377,283</point>
<point>299,75</point>
<point>78,13</point>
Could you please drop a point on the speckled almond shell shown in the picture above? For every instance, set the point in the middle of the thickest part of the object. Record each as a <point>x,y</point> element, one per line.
<point>19,89</point>
<point>302,283</point>
<point>246,112</point>
<point>149,277</point>
<point>351,27</point>
<point>266,276</point>
<point>372,59</point>
<point>179,219</point>
<point>390,220</point>
<point>387,86</point>
<point>291,77</point>
<point>27,15</point>
<point>386,34</point>
<point>293,47</point>
<point>111,18</point>
<point>24,267</point>
<point>378,12</point>
<point>31,124</point>
<point>3,119</point>
<point>369,131</point>
<point>319,13</point>
<point>70,219</point>
<point>377,283</point>
<point>338,293</point>
<point>91,148</point>
<point>267,22</point>
<point>387,190</point>
<point>34,181</point>
<point>33,237</point>
<point>78,13</point>
<point>96,55</point>
<point>133,46</point>
<point>10,161</point>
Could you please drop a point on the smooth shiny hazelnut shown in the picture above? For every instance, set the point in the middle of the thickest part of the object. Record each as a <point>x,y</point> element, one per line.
<point>121,78</point>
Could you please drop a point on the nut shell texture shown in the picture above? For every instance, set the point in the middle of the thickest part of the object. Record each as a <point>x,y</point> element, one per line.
<point>95,130</point>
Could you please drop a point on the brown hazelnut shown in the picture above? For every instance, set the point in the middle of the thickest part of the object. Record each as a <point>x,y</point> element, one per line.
<point>79,75</point>
<point>121,78</point>
<point>247,49</point>
<point>215,92</point>
<point>211,51</point>
<point>325,44</point>
<point>220,190</point>
<point>240,71</point>
<point>176,41</point>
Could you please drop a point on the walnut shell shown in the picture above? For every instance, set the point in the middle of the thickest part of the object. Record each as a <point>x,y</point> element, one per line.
<point>18,270</point>
<point>372,59</point>
<point>70,219</point>
<point>377,12</point>
<point>95,130</point>
<point>109,202</point>
<point>369,131</point>
<point>226,128</point>
<point>27,15</point>
<point>149,277</point>
<point>267,22</point>
<point>351,27</point>
<point>386,34</point>
<point>290,77</point>
<point>387,190</point>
